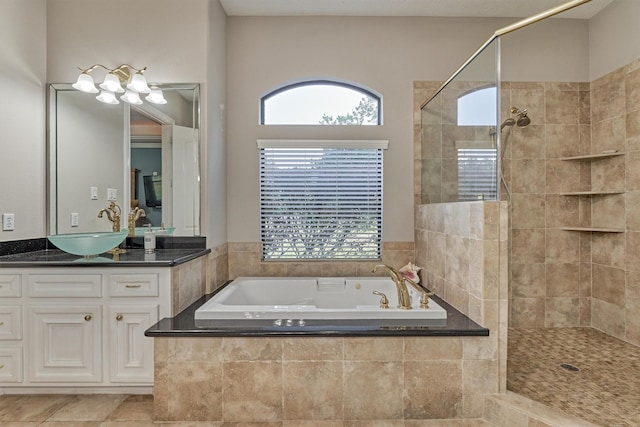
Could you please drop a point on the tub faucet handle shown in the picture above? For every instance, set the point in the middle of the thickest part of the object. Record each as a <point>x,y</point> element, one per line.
<point>384,301</point>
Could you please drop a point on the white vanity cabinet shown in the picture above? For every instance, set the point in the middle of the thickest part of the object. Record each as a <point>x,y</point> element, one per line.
<point>80,327</point>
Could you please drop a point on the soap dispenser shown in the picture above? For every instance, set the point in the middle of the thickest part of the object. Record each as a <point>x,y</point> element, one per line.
<point>149,241</point>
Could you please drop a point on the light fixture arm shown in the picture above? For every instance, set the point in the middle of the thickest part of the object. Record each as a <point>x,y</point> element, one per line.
<point>123,71</point>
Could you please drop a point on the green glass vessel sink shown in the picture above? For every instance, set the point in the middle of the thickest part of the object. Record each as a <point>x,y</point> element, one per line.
<point>141,230</point>
<point>88,244</point>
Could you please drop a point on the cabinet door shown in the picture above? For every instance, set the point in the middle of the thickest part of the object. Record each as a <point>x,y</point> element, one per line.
<point>65,343</point>
<point>130,352</point>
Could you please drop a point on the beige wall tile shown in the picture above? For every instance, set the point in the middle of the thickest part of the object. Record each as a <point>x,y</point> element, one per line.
<point>313,348</point>
<point>608,249</point>
<point>608,318</point>
<point>562,246</point>
<point>251,349</point>
<point>252,391</point>
<point>312,390</point>
<point>433,396</point>
<point>608,134</point>
<point>562,280</point>
<point>528,179</point>
<point>527,313</point>
<point>528,280</point>
<point>433,348</point>
<point>194,391</point>
<point>382,349</point>
<point>528,210</point>
<point>360,378</point>
<point>562,312</point>
<point>528,246</point>
<point>478,380</point>
<point>608,284</point>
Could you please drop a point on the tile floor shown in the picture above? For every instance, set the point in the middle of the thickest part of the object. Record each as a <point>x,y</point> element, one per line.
<point>53,410</point>
<point>605,390</point>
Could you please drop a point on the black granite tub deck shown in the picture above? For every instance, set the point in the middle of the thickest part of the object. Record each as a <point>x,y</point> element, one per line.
<point>185,325</point>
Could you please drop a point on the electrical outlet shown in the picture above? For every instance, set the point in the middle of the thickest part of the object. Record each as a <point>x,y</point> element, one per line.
<point>8,222</point>
<point>112,194</point>
<point>74,219</point>
<point>94,193</point>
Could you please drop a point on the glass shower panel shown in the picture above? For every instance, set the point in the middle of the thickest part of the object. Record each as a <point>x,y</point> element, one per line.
<point>460,145</point>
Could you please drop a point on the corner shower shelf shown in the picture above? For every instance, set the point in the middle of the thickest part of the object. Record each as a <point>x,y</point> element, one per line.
<point>594,156</point>
<point>594,229</point>
<point>591,193</point>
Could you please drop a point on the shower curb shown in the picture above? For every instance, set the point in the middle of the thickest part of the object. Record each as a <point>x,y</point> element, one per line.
<point>510,409</point>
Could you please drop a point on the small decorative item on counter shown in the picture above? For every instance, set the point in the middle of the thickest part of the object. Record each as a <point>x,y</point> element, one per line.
<point>410,271</point>
<point>149,241</point>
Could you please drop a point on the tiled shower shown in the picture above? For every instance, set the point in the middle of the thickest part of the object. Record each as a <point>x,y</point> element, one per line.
<point>573,223</point>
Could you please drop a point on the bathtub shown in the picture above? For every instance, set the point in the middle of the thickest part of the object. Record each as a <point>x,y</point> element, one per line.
<point>298,298</point>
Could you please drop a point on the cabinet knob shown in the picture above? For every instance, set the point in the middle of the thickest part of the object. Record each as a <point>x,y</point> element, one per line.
<point>1,323</point>
<point>87,317</point>
<point>119,317</point>
<point>1,366</point>
<point>137,285</point>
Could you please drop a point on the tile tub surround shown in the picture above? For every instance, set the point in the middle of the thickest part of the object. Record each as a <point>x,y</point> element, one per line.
<point>253,375</point>
<point>245,259</point>
<point>313,380</point>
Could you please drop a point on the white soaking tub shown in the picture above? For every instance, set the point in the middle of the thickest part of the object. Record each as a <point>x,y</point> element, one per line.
<point>312,298</point>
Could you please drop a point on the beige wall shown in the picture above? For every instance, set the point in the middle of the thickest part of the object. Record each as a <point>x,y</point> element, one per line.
<point>22,116</point>
<point>385,54</point>
<point>613,37</point>
<point>45,42</point>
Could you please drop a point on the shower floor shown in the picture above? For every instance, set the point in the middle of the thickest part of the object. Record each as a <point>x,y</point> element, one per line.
<point>605,390</point>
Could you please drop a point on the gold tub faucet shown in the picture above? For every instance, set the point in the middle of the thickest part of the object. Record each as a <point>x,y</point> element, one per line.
<point>113,212</point>
<point>404,300</point>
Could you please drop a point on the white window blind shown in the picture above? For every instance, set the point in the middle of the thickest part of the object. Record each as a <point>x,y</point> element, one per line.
<point>320,202</point>
<point>477,176</point>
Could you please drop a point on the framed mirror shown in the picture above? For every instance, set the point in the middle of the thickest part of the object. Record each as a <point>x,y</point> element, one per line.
<point>145,156</point>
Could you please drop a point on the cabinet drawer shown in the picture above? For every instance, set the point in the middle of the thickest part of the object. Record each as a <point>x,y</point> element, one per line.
<point>10,322</point>
<point>65,285</point>
<point>133,285</point>
<point>11,365</point>
<point>10,285</point>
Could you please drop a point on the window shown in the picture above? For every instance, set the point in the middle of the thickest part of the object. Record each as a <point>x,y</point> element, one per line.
<point>321,199</point>
<point>321,102</point>
<point>477,174</point>
<point>478,108</point>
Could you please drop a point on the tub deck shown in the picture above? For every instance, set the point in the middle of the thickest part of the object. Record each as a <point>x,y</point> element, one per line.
<point>186,325</point>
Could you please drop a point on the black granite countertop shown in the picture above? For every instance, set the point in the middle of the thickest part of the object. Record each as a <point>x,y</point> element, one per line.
<point>171,251</point>
<point>132,258</point>
<point>185,325</point>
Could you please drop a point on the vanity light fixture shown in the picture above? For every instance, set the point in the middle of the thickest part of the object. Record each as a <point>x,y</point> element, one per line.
<point>112,84</point>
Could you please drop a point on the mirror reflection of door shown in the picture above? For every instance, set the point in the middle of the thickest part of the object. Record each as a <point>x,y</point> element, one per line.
<point>146,166</point>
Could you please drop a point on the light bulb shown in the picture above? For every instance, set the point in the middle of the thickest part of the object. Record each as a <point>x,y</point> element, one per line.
<point>156,96</point>
<point>131,97</point>
<point>112,83</point>
<point>138,83</point>
<point>107,97</point>
<point>85,83</point>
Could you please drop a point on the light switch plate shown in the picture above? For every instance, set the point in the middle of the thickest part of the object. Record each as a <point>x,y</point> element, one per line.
<point>112,194</point>
<point>74,219</point>
<point>94,193</point>
<point>8,222</point>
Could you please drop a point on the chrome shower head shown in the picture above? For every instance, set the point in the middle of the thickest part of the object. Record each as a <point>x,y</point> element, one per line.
<point>523,119</point>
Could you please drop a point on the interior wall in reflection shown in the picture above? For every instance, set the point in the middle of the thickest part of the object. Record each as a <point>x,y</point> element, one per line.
<point>92,156</point>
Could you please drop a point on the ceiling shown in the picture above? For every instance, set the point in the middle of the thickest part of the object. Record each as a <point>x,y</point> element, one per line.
<point>448,8</point>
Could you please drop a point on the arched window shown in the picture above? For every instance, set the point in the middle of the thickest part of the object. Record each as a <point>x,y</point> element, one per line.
<point>321,102</point>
